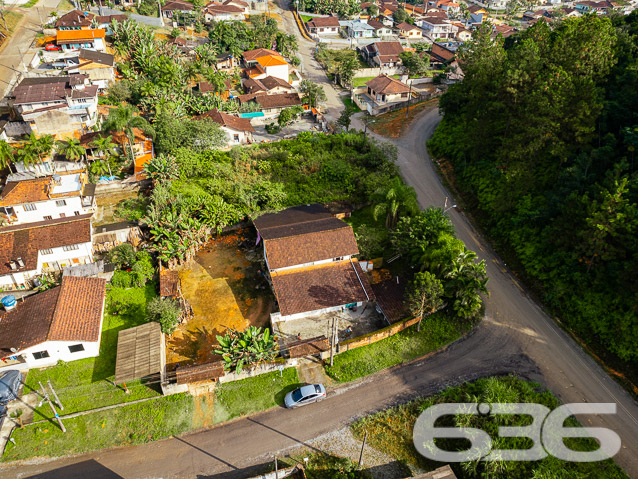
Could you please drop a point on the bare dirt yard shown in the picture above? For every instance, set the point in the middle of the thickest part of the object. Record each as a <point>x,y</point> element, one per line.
<point>226,289</point>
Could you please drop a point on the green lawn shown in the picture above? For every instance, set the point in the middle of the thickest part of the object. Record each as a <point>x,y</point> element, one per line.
<point>436,331</point>
<point>133,424</point>
<point>82,384</point>
<point>240,398</point>
<point>348,102</point>
<point>151,420</point>
<point>305,18</point>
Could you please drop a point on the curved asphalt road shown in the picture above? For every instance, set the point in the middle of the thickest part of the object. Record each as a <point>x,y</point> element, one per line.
<point>516,336</point>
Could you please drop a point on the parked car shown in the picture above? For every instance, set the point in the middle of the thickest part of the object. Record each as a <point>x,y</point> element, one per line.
<point>9,385</point>
<point>52,48</point>
<point>305,395</point>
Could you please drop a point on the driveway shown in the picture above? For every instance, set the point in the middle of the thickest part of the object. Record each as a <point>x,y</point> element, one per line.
<point>516,337</point>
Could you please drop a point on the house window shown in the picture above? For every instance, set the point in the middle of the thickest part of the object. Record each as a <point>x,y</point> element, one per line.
<point>70,247</point>
<point>338,258</point>
<point>76,348</point>
<point>77,213</point>
<point>60,203</point>
<point>46,251</point>
<point>47,217</point>
<point>41,355</point>
<point>30,207</point>
<point>236,138</point>
<point>62,215</point>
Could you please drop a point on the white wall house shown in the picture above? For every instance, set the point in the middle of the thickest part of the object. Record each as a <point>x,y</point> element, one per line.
<point>309,254</point>
<point>47,198</point>
<point>55,105</point>
<point>61,324</point>
<point>239,131</point>
<point>436,27</point>
<point>27,251</point>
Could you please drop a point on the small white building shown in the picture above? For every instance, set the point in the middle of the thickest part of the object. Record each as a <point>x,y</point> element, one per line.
<point>29,250</point>
<point>91,39</point>
<point>43,199</point>
<point>61,324</point>
<point>239,131</point>
<point>322,26</point>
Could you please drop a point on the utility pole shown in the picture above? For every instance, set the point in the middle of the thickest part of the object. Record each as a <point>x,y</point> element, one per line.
<point>57,399</point>
<point>57,416</point>
<point>363,445</point>
<point>407,110</point>
<point>276,469</point>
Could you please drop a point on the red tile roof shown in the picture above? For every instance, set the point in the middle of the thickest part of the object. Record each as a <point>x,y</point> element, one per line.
<point>388,85</point>
<point>253,55</point>
<point>229,121</point>
<point>27,191</point>
<point>180,5</point>
<point>75,18</point>
<point>70,312</point>
<point>320,22</point>
<point>406,27</point>
<point>25,241</point>
<point>322,286</point>
<point>390,298</point>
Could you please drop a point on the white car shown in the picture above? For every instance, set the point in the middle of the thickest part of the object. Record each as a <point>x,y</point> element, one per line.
<point>305,395</point>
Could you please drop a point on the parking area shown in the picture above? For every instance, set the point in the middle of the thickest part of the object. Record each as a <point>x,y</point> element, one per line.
<point>363,320</point>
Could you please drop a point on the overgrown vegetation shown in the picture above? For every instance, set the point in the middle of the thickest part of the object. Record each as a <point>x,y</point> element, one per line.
<point>246,348</point>
<point>391,431</point>
<point>542,135</point>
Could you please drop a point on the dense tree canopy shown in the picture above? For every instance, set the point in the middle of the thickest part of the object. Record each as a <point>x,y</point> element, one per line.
<point>542,133</point>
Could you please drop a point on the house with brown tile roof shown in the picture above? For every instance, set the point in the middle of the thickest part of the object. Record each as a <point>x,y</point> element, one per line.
<point>409,31</point>
<point>75,20</point>
<point>269,85</point>
<point>321,26</point>
<point>271,105</point>
<point>309,254</point>
<point>385,89</point>
<point>61,324</point>
<point>383,54</point>
<point>41,199</point>
<point>239,131</point>
<point>29,250</point>
<point>223,12</point>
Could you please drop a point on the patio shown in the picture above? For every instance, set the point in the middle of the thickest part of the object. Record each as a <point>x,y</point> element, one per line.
<point>364,320</point>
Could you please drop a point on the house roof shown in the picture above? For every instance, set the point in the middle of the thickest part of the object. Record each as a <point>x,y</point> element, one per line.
<point>207,87</point>
<point>97,57</point>
<point>65,36</point>
<point>252,85</point>
<point>390,295</point>
<point>237,2</point>
<point>322,286</point>
<point>36,90</point>
<point>27,191</point>
<point>70,312</point>
<point>304,234</point>
<point>118,137</point>
<point>279,100</point>
<point>271,60</point>
<point>169,283</point>
<point>25,241</point>
<point>252,55</point>
<point>228,121</point>
<point>323,22</point>
<point>404,27</point>
<point>75,18</point>
<point>388,85</point>
<point>376,24</point>
<point>442,53</point>
<point>214,7</point>
<point>476,9</point>
<point>389,48</point>
<point>101,20</point>
<point>437,20</point>
<point>177,5</point>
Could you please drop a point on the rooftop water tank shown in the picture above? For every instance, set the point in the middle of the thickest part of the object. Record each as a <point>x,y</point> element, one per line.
<point>9,302</point>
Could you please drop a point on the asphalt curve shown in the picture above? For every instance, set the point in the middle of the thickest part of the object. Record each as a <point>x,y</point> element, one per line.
<point>515,337</point>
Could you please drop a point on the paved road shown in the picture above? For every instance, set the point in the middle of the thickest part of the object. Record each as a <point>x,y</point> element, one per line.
<point>310,68</point>
<point>11,56</point>
<point>516,337</point>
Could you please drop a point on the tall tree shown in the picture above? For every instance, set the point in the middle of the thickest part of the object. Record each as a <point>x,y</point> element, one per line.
<point>71,149</point>
<point>6,155</point>
<point>125,118</point>
<point>425,295</point>
<point>313,94</point>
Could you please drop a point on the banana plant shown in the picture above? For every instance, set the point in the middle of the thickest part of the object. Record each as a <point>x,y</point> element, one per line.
<point>247,348</point>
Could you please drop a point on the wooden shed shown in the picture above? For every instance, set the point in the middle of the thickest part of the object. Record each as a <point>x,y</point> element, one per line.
<point>140,353</point>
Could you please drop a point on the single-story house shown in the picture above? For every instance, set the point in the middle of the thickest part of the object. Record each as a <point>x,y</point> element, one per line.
<point>409,31</point>
<point>380,29</point>
<point>90,39</point>
<point>271,105</point>
<point>238,130</point>
<point>176,6</point>
<point>357,29</point>
<point>309,253</point>
<point>269,85</point>
<point>383,54</point>
<point>223,12</point>
<point>385,89</point>
<point>61,324</point>
<point>226,62</point>
<point>320,26</point>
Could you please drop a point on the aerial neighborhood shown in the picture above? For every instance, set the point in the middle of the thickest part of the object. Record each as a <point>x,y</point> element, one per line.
<point>215,213</point>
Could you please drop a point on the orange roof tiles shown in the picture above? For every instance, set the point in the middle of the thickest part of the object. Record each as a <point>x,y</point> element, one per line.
<point>271,60</point>
<point>64,36</point>
<point>27,191</point>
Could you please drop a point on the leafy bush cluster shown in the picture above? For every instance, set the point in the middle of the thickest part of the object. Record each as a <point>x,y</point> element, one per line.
<point>542,134</point>
<point>134,268</point>
<point>166,312</point>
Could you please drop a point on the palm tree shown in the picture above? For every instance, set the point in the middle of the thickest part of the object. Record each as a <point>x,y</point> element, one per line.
<point>6,155</point>
<point>27,155</point>
<point>104,145</point>
<point>71,149</point>
<point>41,146</point>
<point>124,118</point>
<point>393,199</point>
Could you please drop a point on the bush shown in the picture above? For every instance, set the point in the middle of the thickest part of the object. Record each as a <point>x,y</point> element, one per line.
<point>143,270</point>
<point>273,128</point>
<point>164,311</point>
<point>122,255</point>
<point>122,279</point>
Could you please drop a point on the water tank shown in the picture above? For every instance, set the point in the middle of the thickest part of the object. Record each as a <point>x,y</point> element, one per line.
<point>9,302</point>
